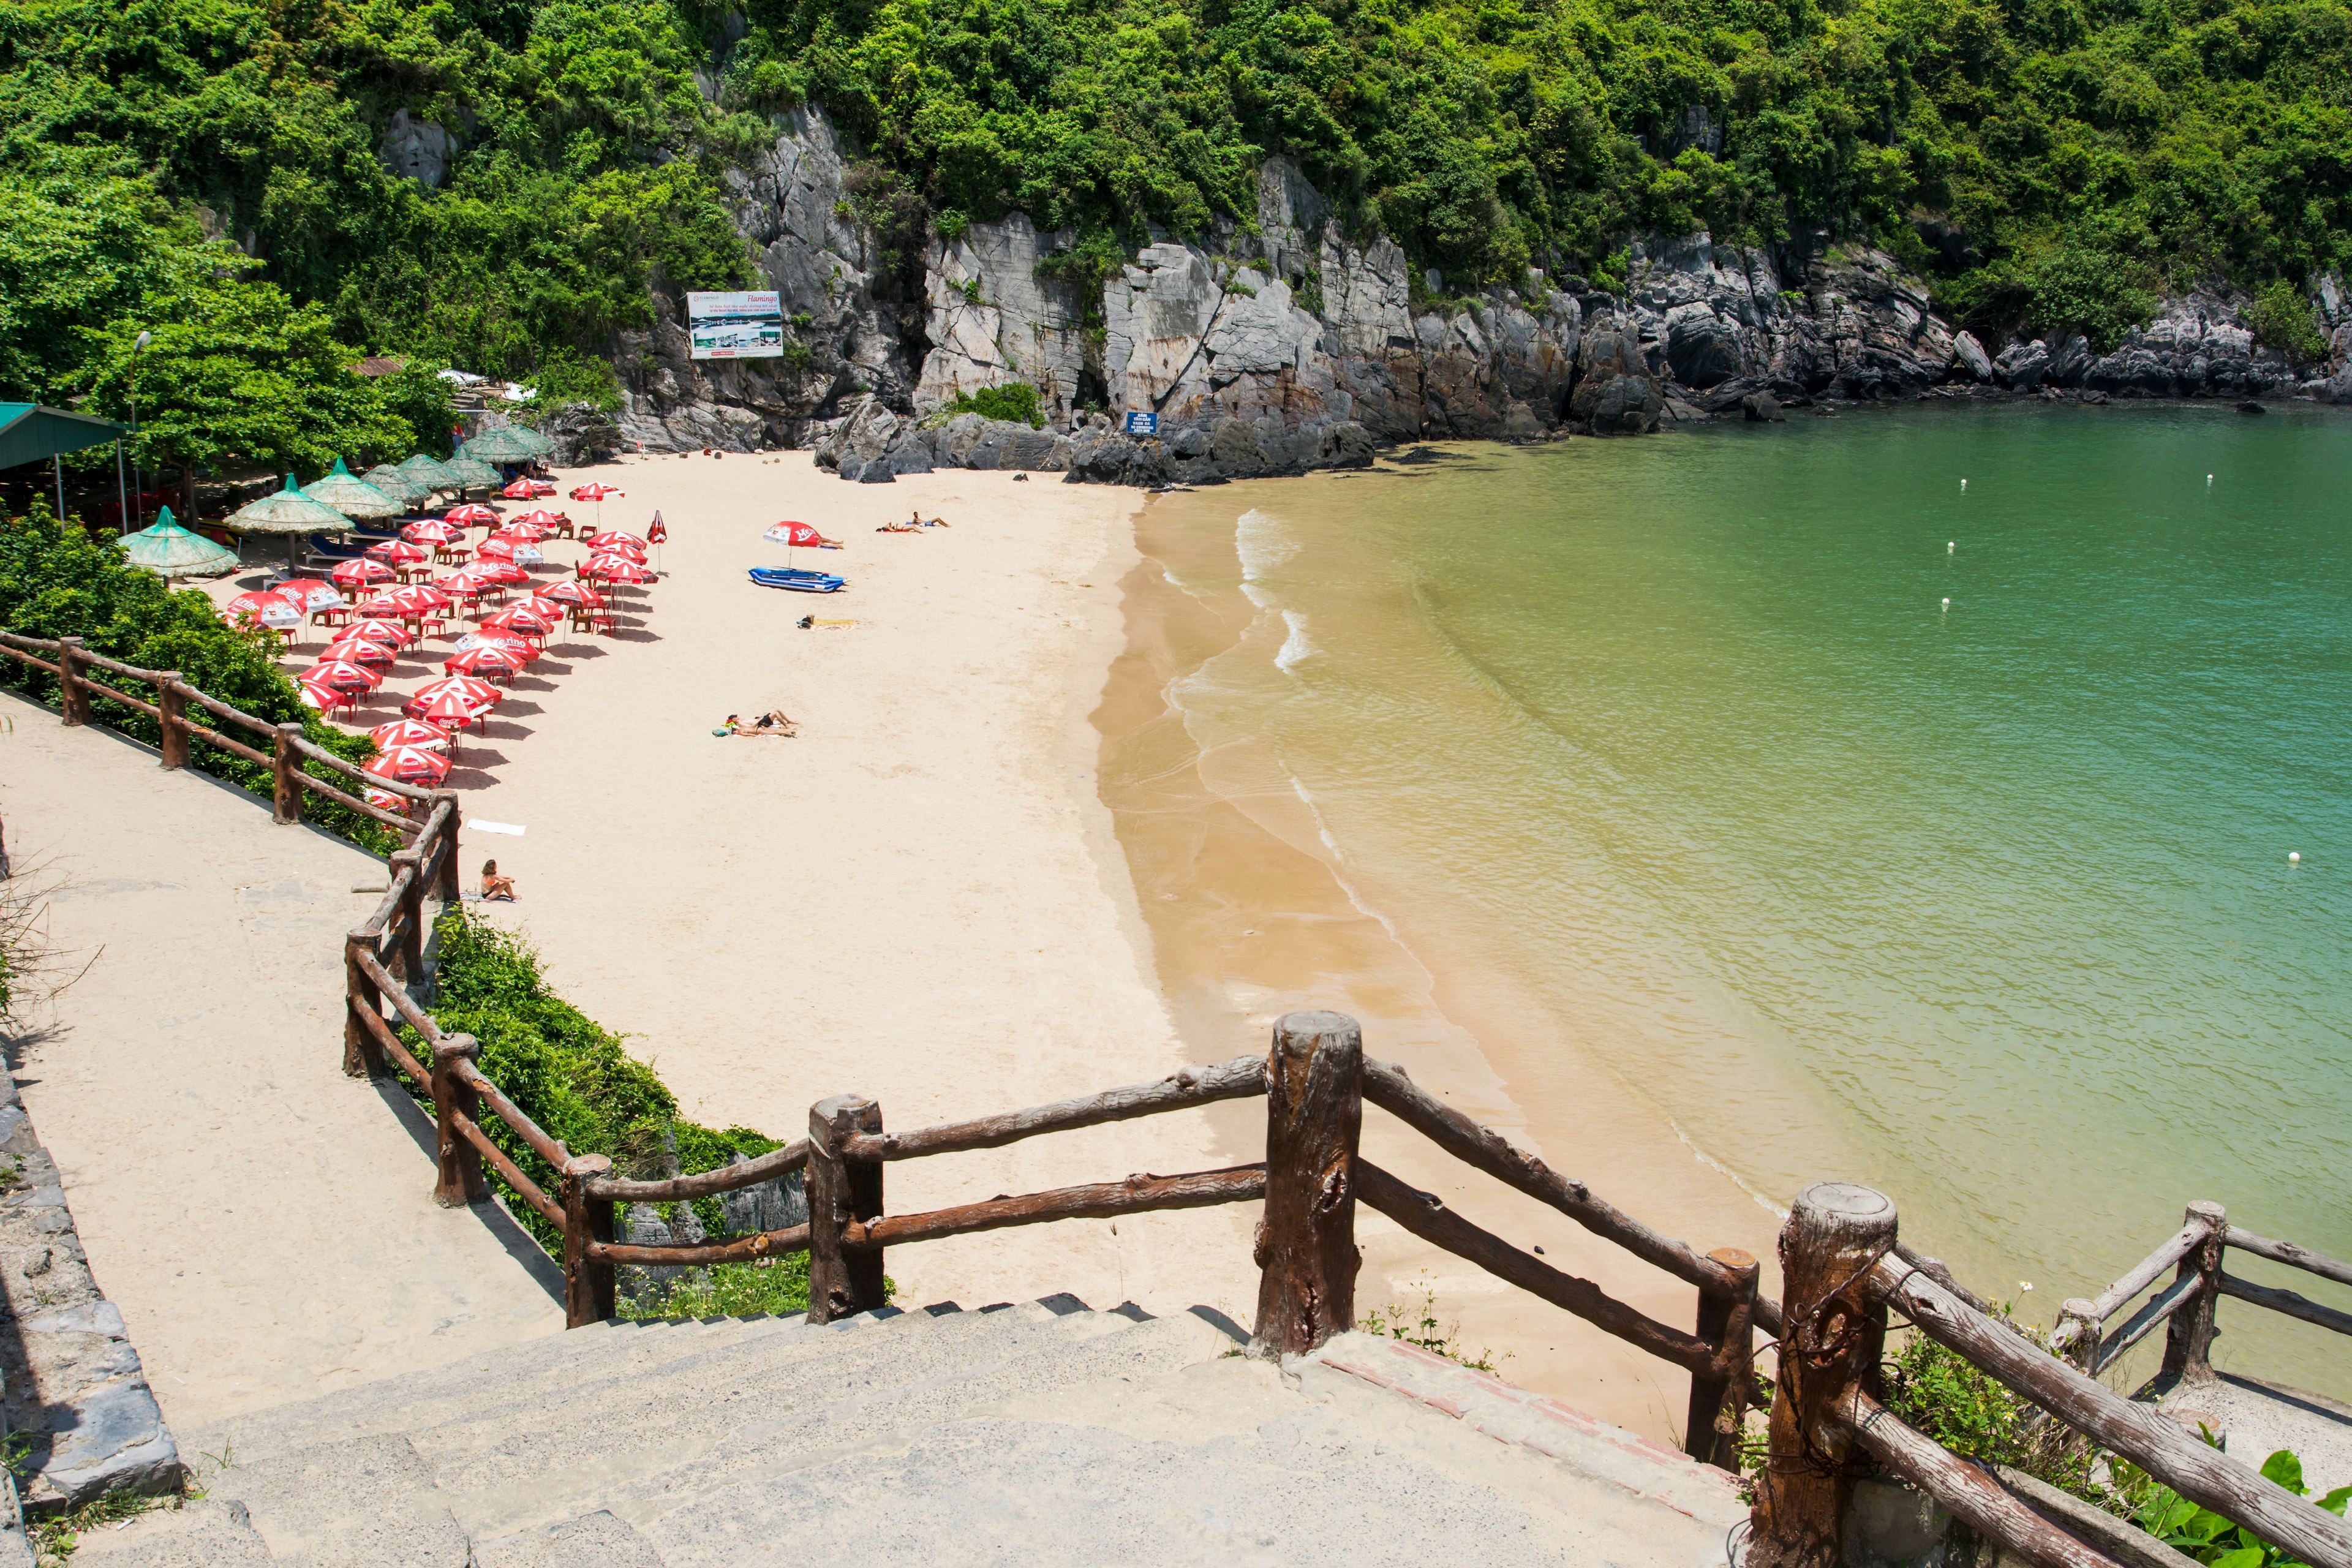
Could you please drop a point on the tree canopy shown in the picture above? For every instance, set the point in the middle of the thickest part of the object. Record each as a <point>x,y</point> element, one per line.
<point>212,166</point>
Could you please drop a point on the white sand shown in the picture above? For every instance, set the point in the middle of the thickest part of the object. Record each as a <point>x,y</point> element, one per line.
<point>919,898</point>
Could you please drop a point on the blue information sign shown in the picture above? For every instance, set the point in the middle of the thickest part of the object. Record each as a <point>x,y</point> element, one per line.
<point>1140,424</point>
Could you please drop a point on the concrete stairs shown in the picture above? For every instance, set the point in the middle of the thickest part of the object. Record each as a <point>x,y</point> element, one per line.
<point>1038,1433</point>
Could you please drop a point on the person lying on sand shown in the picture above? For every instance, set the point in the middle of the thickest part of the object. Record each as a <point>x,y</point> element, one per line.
<point>772,722</point>
<point>495,888</point>
<point>900,527</point>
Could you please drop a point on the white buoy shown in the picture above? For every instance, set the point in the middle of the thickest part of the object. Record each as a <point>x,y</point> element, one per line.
<point>2293,857</point>
<point>1964,484</point>
<point>2208,478</point>
<point>1948,604</point>
<point>1952,547</point>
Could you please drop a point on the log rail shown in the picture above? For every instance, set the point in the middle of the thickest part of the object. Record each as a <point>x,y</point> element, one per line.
<point>1844,1268</point>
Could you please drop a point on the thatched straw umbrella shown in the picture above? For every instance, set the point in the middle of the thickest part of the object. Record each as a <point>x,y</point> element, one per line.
<point>430,472</point>
<point>170,551</point>
<point>471,474</point>
<point>499,444</point>
<point>405,488</point>
<point>288,512</point>
<point>351,497</point>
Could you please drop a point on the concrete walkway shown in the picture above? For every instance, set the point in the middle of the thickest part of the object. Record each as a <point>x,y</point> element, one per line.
<point>264,1223</point>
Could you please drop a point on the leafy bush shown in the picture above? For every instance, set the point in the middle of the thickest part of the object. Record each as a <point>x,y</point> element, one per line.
<point>575,1079</point>
<point>2207,1536</point>
<point>1965,1409</point>
<point>1015,401</point>
<point>2283,319</point>
<point>56,582</point>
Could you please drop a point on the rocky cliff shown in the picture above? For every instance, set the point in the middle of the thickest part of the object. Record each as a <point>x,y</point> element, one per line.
<point>1295,344</point>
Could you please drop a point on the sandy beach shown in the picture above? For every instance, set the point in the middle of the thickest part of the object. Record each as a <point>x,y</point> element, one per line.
<point>922,897</point>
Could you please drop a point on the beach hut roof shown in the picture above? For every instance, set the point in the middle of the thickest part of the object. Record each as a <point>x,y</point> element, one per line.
<point>430,471</point>
<point>405,488</point>
<point>170,551</point>
<point>499,444</point>
<point>468,473</point>
<point>288,510</point>
<point>351,497</point>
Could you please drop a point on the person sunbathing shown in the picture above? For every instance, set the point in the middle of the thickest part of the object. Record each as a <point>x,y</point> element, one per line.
<point>495,888</point>
<point>773,722</point>
<point>915,527</point>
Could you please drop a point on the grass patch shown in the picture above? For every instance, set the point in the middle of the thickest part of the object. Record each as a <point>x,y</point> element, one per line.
<point>1014,402</point>
<point>572,1076</point>
<point>1419,1326</point>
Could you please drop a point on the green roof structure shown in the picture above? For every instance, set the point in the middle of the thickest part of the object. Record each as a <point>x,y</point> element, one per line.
<point>170,551</point>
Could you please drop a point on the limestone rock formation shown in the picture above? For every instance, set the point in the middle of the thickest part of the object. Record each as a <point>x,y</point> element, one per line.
<point>415,149</point>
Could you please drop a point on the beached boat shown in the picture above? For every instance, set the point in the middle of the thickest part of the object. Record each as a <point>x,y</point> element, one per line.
<point>799,580</point>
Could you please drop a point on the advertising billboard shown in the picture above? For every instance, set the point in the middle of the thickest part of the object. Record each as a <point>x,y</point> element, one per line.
<point>735,326</point>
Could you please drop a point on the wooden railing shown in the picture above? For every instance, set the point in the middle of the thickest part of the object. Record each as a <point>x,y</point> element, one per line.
<point>1844,1268</point>
<point>287,748</point>
<point>1843,1274</point>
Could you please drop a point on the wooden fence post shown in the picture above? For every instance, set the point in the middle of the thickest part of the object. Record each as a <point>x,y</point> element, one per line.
<point>2079,1320</point>
<point>2189,1336</point>
<point>172,715</point>
<point>1305,1249</point>
<point>588,1292</point>
<point>460,1182</point>
<point>841,1282</point>
<point>286,775</point>
<point>73,697</point>
<point>1831,1340</point>
<point>1719,1405</point>
<point>446,887</point>
<point>408,950</point>
<point>363,1052</point>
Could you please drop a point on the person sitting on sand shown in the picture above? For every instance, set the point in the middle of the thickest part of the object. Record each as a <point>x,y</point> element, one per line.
<point>495,888</point>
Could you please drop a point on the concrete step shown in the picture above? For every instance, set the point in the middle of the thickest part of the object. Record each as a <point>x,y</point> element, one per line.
<point>1038,1432</point>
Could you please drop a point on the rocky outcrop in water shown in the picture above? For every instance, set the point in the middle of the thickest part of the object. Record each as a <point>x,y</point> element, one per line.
<point>1302,345</point>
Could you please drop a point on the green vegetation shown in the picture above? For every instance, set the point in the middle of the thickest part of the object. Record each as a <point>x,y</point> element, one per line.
<point>2207,1536</point>
<point>55,581</point>
<point>1015,401</point>
<point>211,166</point>
<point>1419,1326</point>
<point>572,1076</point>
<point>1949,1399</point>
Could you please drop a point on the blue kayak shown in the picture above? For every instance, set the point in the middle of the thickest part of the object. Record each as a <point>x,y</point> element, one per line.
<point>798,581</point>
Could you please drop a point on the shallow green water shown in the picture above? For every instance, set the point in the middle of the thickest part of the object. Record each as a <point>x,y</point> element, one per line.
<point>1675,740</point>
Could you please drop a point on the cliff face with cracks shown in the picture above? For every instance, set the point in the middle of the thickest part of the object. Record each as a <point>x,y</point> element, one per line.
<point>1300,345</point>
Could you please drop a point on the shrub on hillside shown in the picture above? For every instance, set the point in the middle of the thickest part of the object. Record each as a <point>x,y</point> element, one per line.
<point>1015,401</point>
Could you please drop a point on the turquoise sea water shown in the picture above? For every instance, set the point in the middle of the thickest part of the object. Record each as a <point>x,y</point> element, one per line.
<point>1676,743</point>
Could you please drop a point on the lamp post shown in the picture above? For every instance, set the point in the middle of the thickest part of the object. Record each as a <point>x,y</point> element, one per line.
<point>137,482</point>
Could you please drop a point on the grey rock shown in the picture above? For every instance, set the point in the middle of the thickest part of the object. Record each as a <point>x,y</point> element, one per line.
<point>994,320</point>
<point>1969,355</point>
<point>415,150</point>
<point>1702,347</point>
<point>2068,361</point>
<point>778,1204</point>
<point>1761,408</point>
<point>876,472</point>
<point>2024,365</point>
<point>1615,394</point>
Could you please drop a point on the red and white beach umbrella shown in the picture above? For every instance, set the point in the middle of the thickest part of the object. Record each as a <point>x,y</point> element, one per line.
<point>450,709</point>
<point>310,594</point>
<point>504,572</point>
<point>431,531</point>
<point>262,609</point>
<point>384,800</point>
<point>388,633</point>
<point>573,594</point>
<point>510,549</point>
<point>636,553</point>
<point>460,585</point>
<point>394,552</point>
<point>475,659</point>
<point>470,688</point>
<point>521,646</point>
<point>615,569</point>
<point>526,617</point>
<point>417,599</point>
<point>613,536</point>
<point>596,492</point>
<point>361,573</point>
<point>800,534</point>
<point>359,651</point>
<point>473,515</point>
<point>409,732</point>
<point>522,489</point>
<point>342,675</point>
<point>521,532</point>
<point>409,764</point>
<point>540,517</point>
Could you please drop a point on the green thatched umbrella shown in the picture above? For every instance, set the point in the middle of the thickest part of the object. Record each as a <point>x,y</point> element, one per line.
<point>430,472</point>
<point>541,446</point>
<point>470,474</point>
<point>288,512</point>
<point>405,488</point>
<point>170,551</point>
<point>499,444</point>
<point>351,497</point>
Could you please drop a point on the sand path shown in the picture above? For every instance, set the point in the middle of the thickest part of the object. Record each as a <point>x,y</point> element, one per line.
<point>264,1223</point>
